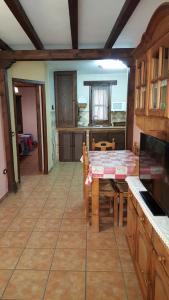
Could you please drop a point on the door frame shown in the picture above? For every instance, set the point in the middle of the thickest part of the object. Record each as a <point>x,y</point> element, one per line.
<point>41,121</point>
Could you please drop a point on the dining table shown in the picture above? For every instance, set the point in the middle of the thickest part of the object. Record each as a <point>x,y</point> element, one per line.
<point>116,164</point>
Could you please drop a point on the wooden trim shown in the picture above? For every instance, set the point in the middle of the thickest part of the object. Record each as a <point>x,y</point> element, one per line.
<point>27,82</point>
<point>19,13</point>
<point>125,14</point>
<point>44,129</point>
<point>100,82</point>
<point>39,129</point>
<point>15,120</point>
<point>12,187</point>
<point>155,30</point>
<point>73,14</point>
<point>4,46</point>
<point>130,108</point>
<point>124,54</point>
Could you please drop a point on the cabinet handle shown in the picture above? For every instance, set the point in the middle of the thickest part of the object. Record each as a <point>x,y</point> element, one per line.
<point>162,259</point>
<point>142,219</point>
<point>147,282</point>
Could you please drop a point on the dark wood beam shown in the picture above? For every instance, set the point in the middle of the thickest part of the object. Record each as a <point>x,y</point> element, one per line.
<point>73,14</point>
<point>19,13</point>
<point>124,54</point>
<point>4,46</point>
<point>125,14</point>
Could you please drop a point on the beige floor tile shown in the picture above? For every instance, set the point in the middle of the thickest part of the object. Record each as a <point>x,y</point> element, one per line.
<point>72,240</point>
<point>101,240</point>
<point>17,239</point>
<point>132,287</point>
<point>103,260</point>
<point>69,259</point>
<point>105,286</point>
<point>47,225</point>
<point>22,224</point>
<point>65,286</point>
<point>36,259</point>
<point>126,260</point>
<point>27,285</point>
<point>4,277</point>
<point>42,240</point>
<point>9,257</point>
<point>48,213</point>
<point>73,225</point>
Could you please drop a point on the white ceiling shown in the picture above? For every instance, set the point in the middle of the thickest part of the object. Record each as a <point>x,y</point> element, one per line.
<point>83,66</point>
<point>50,18</point>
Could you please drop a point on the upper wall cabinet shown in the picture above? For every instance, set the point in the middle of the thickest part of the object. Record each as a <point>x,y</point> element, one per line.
<point>141,85</point>
<point>152,67</point>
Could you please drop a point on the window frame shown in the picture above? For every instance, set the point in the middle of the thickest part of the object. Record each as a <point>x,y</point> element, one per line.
<point>99,122</point>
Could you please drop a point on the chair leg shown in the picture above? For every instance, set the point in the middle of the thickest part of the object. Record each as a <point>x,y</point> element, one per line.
<point>115,204</point>
<point>86,202</point>
<point>121,210</point>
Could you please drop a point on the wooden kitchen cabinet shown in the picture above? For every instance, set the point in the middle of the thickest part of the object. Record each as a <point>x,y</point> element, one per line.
<point>70,145</point>
<point>131,225</point>
<point>65,83</point>
<point>143,254</point>
<point>160,279</point>
<point>150,254</point>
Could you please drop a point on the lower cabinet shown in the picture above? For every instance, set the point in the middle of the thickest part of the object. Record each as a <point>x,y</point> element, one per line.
<point>70,145</point>
<point>160,280</point>
<point>131,226</point>
<point>150,255</point>
<point>142,260</point>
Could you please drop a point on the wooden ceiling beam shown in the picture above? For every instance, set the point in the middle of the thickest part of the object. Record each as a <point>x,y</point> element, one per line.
<point>73,14</point>
<point>4,46</point>
<point>124,54</point>
<point>19,13</point>
<point>125,14</point>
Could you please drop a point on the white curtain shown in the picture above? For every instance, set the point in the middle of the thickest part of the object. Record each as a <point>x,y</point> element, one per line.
<point>99,103</point>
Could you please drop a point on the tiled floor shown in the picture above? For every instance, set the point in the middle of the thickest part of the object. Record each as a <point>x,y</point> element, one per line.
<point>29,164</point>
<point>48,252</point>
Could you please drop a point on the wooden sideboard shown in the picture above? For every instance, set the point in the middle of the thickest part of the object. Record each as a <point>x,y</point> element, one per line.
<point>150,254</point>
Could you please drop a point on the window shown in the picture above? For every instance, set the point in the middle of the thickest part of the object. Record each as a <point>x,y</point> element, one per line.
<point>100,104</point>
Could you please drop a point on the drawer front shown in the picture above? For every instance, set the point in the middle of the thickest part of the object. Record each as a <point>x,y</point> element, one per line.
<point>162,251</point>
<point>143,219</point>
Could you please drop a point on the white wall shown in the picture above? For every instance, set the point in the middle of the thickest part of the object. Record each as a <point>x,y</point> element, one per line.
<point>119,91</point>
<point>29,113</point>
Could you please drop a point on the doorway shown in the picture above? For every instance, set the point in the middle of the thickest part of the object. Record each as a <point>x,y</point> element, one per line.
<point>31,127</point>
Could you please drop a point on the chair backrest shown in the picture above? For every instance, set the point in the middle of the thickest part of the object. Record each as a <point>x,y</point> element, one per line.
<point>135,148</point>
<point>103,145</point>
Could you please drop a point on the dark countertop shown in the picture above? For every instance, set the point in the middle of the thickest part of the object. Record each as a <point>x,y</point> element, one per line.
<point>92,128</point>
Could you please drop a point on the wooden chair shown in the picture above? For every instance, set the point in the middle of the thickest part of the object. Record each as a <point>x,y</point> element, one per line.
<point>106,190</point>
<point>103,145</point>
<point>122,188</point>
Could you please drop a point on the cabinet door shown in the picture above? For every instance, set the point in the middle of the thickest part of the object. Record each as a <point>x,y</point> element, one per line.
<point>65,98</point>
<point>160,281</point>
<point>78,139</point>
<point>65,146</point>
<point>143,258</point>
<point>131,226</point>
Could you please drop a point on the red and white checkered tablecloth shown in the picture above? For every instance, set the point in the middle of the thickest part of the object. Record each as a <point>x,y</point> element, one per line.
<point>116,164</point>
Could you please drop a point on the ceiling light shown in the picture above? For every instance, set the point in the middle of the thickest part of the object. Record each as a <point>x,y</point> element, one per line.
<point>111,64</point>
